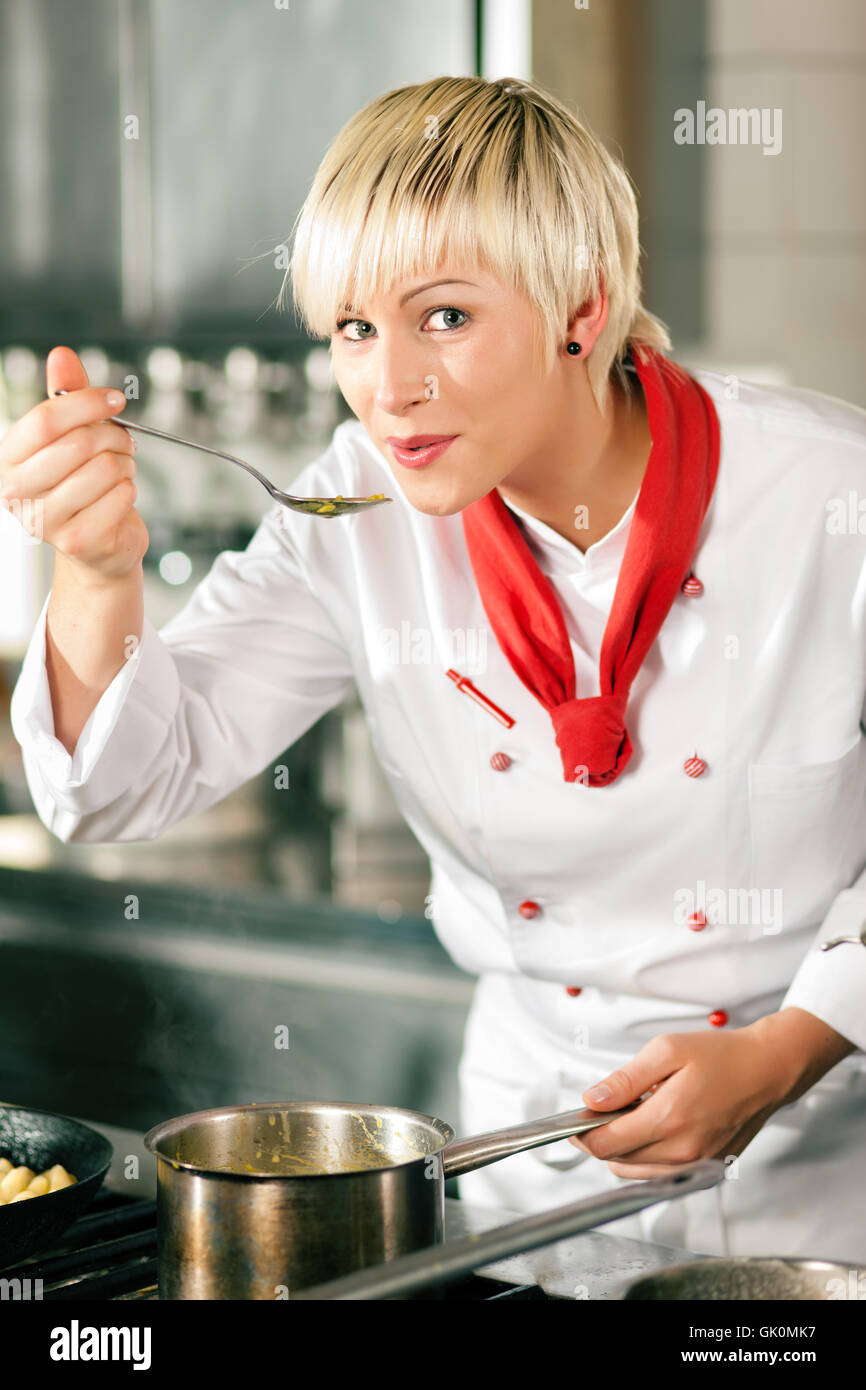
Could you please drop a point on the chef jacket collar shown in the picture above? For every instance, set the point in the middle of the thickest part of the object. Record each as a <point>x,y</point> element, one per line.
<point>555,555</point>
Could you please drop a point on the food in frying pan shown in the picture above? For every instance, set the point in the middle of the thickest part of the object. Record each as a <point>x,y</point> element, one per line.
<point>19,1184</point>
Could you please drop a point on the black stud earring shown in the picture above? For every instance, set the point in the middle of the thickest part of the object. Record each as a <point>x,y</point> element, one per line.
<point>574,349</point>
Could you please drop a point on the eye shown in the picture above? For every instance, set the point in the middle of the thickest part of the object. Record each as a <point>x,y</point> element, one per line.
<point>357,323</point>
<point>365,331</point>
<point>449,309</point>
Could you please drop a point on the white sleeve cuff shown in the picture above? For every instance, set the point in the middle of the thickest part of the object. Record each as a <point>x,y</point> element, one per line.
<point>84,781</point>
<point>832,984</point>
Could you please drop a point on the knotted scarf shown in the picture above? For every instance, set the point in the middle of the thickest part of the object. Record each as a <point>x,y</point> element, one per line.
<point>523,609</point>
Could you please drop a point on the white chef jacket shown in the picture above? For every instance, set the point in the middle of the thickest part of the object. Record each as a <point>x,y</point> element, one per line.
<point>761,677</point>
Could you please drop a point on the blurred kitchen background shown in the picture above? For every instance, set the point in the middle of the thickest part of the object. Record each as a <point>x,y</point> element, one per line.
<point>154,154</point>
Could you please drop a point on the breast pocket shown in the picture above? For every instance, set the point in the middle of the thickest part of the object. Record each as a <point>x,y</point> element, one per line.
<point>807,826</point>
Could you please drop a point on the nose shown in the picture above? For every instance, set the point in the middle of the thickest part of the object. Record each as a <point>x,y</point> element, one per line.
<point>400,378</point>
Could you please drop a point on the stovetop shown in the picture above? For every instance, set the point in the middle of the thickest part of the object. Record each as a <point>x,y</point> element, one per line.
<point>110,1254</point>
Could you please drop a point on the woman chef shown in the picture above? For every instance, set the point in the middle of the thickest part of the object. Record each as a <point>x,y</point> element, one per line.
<point>652,576</point>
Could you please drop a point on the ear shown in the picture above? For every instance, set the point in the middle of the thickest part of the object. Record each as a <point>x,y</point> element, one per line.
<point>587,325</point>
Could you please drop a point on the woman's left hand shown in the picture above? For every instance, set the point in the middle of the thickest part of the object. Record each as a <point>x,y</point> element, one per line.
<point>711,1093</point>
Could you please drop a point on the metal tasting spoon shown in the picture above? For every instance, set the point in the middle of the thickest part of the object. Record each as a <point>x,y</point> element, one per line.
<point>314,506</point>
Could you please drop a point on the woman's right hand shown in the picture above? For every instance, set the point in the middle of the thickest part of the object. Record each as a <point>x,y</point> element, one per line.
<point>67,471</point>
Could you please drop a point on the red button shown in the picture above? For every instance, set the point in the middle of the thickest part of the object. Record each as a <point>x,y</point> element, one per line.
<point>694,766</point>
<point>697,921</point>
<point>718,1018</point>
<point>500,762</point>
<point>529,909</point>
<point>573,990</point>
<point>692,586</point>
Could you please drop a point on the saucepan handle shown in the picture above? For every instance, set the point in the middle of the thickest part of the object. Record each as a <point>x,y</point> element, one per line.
<point>440,1263</point>
<point>465,1155</point>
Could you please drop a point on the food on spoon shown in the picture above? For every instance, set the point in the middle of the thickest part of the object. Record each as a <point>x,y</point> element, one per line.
<point>335,506</point>
<point>20,1184</point>
<point>330,507</point>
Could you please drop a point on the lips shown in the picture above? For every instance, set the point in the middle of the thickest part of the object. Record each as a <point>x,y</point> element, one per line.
<point>416,450</point>
<point>417,441</point>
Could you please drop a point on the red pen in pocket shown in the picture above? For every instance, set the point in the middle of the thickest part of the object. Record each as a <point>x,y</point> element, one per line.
<point>464,684</point>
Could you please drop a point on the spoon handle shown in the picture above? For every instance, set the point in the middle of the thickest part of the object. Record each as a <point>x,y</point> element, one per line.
<point>203,448</point>
<point>317,506</point>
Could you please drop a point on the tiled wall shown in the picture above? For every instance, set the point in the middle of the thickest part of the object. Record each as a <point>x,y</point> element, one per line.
<point>786,234</point>
<point>756,262</point>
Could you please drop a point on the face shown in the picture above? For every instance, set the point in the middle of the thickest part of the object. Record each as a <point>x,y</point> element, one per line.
<point>448,354</point>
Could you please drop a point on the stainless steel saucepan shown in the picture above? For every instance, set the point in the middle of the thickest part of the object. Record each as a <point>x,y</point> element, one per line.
<point>259,1201</point>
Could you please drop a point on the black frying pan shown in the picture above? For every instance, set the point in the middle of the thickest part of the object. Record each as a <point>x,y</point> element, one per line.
<point>39,1139</point>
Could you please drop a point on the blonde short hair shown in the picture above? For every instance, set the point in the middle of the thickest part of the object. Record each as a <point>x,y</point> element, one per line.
<point>497,174</point>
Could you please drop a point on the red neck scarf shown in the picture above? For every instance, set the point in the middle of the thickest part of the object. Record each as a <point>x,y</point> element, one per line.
<point>523,609</point>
